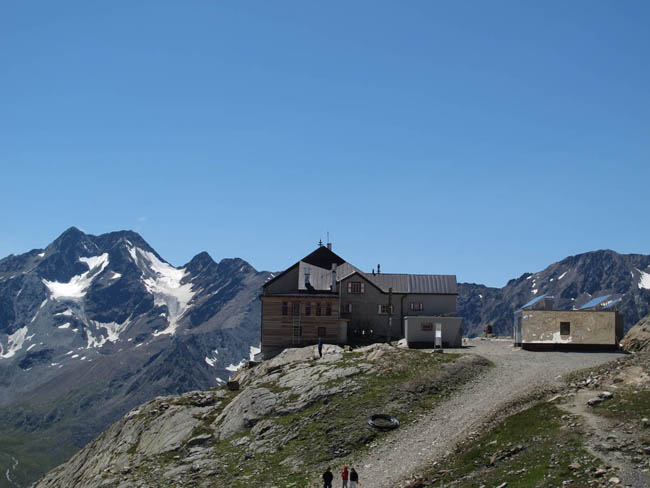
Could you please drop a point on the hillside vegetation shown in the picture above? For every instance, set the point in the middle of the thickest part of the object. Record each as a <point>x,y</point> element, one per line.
<point>292,416</point>
<point>595,432</point>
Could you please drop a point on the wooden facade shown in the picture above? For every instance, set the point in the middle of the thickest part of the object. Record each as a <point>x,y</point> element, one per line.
<point>305,303</point>
<point>300,320</point>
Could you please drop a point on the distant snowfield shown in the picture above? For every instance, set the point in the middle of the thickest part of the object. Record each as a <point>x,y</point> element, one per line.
<point>212,361</point>
<point>78,285</point>
<point>252,352</point>
<point>644,280</point>
<point>14,343</point>
<point>113,331</point>
<point>163,281</point>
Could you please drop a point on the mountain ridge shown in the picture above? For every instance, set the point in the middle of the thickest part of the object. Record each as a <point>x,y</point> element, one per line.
<point>573,281</point>
<point>92,321</point>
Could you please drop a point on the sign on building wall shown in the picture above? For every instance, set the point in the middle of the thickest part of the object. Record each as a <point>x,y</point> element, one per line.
<point>424,327</point>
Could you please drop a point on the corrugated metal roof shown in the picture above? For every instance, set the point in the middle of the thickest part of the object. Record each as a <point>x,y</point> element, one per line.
<point>409,283</point>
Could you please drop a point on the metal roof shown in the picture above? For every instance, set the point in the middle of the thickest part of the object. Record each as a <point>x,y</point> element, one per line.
<point>594,302</point>
<point>533,301</point>
<point>319,266</point>
<point>409,283</point>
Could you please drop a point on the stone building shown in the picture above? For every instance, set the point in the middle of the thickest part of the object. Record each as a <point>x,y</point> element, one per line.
<point>595,325</point>
<point>323,296</point>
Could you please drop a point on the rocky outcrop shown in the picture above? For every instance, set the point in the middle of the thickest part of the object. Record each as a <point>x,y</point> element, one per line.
<point>638,338</point>
<point>206,438</point>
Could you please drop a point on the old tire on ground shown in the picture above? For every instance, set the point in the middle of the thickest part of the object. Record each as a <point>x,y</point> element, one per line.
<point>394,423</point>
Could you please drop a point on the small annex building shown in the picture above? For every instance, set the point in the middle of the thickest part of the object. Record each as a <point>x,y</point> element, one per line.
<point>596,324</point>
<point>322,296</point>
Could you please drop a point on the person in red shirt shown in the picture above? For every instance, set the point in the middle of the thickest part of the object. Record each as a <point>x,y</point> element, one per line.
<point>344,477</point>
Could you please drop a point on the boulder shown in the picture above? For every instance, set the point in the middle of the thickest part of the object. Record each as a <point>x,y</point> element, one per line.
<point>244,411</point>
<point>638,337</point>
<point>170,430</point>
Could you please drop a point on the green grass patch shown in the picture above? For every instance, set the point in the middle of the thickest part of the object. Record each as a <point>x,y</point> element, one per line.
<point>533,448</point>
<point>629,406</point>
<point>406,384</point>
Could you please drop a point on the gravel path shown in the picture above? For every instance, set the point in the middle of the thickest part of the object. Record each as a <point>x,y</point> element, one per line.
<point>516,371</point>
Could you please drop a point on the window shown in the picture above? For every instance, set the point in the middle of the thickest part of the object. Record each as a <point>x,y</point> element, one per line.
<point>328,309</point>
<point>383,309</point>
<point>285,308</point>
<point>347,308</point>
<point>296,308</point>
<point>308,308</point>
<point>426,327</point>
<point>565,328</point>
<point>356,287</point>
<point>322,332</point>
<point>417,306</point>
<point>318,309</point>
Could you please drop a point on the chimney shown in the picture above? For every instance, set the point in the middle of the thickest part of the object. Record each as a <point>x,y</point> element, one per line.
<point>329,246</point>
<point>333,287</point>
<point>378,268</point>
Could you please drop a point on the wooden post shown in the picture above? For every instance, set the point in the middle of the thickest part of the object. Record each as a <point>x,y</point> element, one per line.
<point>390,313</point>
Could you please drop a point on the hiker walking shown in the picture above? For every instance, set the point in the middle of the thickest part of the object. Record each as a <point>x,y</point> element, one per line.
<point>354,478</point>
<point>320,348</point>
<point>327,478</point>
<point>345,474</point>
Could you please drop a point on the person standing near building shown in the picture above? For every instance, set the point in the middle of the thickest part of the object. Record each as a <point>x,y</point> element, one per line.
<point>354,478</point>
<point>345,474</point>
<point>320,348</point>
<point>328,477</point>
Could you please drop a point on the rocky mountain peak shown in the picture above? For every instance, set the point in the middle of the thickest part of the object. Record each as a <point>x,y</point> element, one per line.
<point>200,262</point>
<point>106,320</point>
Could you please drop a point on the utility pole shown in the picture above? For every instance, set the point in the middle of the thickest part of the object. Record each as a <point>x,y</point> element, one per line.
<point>390,313</point>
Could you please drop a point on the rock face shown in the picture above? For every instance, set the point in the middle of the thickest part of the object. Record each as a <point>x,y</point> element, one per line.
<point>91,326</point>
<point>638,337</point>
<point>225,438</point>
<point>573,282</point>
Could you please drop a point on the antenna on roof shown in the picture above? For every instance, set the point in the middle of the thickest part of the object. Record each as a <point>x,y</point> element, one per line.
<point>320,242</point>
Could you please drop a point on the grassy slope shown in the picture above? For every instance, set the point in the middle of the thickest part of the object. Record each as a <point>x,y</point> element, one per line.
<point>531,448</point>
<point>409,383</point>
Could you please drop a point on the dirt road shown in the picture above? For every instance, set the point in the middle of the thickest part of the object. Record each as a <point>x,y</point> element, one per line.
<point>516,371</point>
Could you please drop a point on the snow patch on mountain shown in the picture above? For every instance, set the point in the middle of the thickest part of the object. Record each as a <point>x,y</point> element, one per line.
<point>562,275</point>
<point>78,285</point>
<point>212,361</point>
<point>644,280</point>
<point>113,331</point>
<point>14,343</point>
<point>65,326</point>
<point>165,283</point>
<point>235,367</point>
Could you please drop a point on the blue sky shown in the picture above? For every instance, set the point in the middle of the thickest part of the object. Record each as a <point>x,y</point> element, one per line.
<point>483,139</point>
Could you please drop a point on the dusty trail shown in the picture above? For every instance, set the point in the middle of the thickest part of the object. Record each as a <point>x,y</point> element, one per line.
<point>401,455</point>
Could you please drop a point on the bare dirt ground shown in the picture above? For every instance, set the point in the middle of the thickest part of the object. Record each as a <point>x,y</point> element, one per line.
<point>516,373</point>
